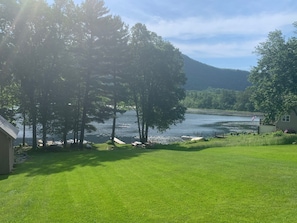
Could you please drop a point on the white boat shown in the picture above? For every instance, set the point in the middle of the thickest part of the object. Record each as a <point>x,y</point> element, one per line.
<point>192,138</point>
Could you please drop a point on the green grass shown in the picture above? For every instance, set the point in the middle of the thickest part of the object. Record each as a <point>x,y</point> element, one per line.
<point>277,138</point>
<point>178,183</point>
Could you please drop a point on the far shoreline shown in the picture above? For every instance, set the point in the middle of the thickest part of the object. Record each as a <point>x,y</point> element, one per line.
<point>223,112</point>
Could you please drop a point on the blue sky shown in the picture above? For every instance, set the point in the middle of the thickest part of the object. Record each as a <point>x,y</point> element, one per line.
<point>221,33</point>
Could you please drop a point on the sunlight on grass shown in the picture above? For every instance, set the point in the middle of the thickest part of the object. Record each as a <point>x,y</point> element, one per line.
<point>232,184</point>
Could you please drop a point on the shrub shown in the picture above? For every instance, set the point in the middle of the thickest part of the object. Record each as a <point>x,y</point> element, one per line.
<point>278,134</point>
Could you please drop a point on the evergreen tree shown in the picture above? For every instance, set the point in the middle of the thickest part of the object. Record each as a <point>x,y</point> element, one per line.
<point>8,87</point>
<point>115,65</point>
<point>94,19</point>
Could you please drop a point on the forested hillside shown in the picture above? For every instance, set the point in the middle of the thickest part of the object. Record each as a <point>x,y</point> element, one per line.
<point>202,76</point>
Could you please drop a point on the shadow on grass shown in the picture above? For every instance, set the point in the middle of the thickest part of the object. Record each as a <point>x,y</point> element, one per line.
<point>47,163</point>
<point>4,177</point>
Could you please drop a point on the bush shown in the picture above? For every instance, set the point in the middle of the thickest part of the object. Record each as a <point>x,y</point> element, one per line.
<point>278,134</point>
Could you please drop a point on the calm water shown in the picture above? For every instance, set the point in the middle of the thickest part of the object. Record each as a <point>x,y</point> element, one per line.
<point>193,125</point>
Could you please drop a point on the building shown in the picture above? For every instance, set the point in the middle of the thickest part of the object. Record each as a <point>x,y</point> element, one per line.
<point>8,133</point>
<point>287,122</point>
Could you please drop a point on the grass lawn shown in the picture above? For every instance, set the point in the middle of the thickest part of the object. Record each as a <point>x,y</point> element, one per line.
<point>220,184</point>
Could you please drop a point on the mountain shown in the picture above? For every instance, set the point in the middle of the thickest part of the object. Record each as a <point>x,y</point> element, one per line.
<point>201,76</point>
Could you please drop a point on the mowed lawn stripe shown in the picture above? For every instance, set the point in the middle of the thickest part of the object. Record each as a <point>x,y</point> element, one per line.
<point>236,184</point>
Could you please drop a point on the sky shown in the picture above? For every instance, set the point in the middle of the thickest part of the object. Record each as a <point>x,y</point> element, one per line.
<point>220,33</point>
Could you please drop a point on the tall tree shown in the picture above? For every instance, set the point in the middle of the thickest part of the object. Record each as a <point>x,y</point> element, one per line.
<point>156,81</point>
<point>275,76</point>
<point>29,34</point>
<point>93,17</point>
<point>37,56</point>
<point>8,88</point>
<point>115,64</point>
<point>64,18</point>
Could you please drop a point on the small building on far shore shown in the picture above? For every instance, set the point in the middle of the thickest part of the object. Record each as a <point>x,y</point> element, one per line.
<point>8,133</point>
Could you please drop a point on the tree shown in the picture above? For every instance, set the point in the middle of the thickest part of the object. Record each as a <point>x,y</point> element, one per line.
<point>243,101</point>
<point>25,62</point>
<point>275,76</point>
<point>35,62</point>
<point>94,19</point>
<point>156,81</point>
<point>115,65</point>
<point>8,87</point>
<point>65,110</point>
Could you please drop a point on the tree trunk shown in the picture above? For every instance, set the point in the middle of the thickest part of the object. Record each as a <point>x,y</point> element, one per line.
<point>114,122</point>
<point>82,127</point>
<point>84,115</point>
<point>137,115</point>
<point>44,116</point>
<point>114,110</point>
<point>34,130</point>
<point>44,130</point>
<point>146,133</point>
<point>65,138</point>
<point>24,129</point>
<point>76,121</point>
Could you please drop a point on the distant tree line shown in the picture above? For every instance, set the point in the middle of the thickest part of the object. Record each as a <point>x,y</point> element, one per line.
<point>224,99</point>
<point>64,66</point>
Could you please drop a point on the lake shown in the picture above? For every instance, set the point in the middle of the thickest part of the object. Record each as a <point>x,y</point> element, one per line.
<point>193,125</point>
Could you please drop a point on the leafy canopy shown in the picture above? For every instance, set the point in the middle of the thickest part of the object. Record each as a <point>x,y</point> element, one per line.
<point>275,76</point>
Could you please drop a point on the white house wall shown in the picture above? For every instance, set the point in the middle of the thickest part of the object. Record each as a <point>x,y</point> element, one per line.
<point>266,129</point>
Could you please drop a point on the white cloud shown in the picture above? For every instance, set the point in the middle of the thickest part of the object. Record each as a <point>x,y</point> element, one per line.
<point>219,50</point>
<point>202,27</point>
<point>215,34</point>
<point>220,37</point>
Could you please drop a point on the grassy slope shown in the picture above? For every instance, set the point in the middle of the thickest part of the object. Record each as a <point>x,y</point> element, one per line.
<point>183,184</point>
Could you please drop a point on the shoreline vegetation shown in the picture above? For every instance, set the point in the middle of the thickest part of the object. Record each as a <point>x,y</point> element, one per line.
<point>223,112</point>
